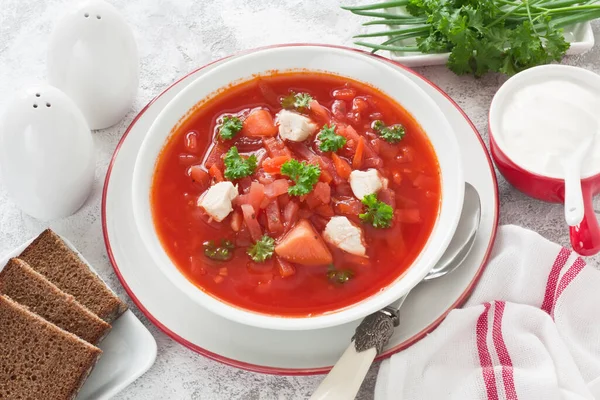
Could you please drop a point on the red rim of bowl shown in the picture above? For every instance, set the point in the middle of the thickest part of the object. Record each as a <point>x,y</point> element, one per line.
<point>293,371</point>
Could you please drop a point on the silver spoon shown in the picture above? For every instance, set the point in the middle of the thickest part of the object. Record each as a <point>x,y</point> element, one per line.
<point>373,333</point>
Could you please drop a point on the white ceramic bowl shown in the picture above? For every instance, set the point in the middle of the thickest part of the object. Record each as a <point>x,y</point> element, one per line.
<point>341,62</point>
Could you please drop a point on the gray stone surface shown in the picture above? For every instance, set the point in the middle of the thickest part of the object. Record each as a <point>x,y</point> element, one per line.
<point>175,37</point>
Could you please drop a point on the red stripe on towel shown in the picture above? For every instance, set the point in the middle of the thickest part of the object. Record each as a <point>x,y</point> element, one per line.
<point>485,359</point>
<point>559,263</point>
<point>567,278</point>
<point>502,351</point>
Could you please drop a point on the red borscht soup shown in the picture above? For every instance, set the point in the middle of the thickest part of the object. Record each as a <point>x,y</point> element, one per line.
<point>296,194</point>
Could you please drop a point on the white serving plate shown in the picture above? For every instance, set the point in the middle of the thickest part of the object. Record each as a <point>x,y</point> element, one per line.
<point>270,351</point>
<point>128,351</point>
<point>580,36</point>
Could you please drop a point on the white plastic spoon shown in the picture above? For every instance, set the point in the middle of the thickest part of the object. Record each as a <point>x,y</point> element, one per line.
<point>572,164</point>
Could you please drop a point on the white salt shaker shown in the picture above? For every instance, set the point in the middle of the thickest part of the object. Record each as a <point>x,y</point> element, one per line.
<point>47,159</point>
<point>93,58</point>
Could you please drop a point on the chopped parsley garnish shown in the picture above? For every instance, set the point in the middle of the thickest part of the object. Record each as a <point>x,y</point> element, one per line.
<point>229,127</point>
<point>263,249</point>
<point>391,134</point>
<point>339,276</point>
<point>304,175</point>
<point>224,252</point>
<point>237,167</point>
<point>379,214</point>
<point>330,141</point>
<point>296,101</point>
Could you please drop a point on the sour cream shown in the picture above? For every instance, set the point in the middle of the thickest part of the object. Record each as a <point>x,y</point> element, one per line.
<point>544,120</point>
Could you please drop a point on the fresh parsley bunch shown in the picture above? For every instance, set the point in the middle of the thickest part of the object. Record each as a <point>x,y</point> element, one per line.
<point>504,36</point>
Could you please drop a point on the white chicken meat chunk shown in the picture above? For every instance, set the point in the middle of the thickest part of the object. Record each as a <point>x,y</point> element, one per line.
<point>217,200</point>
<point>295,127</point>
<point>346,236</point>
<point>366,182</point>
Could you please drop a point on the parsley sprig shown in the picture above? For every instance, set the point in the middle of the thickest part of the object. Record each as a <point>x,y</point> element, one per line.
<point>504,36</point>
<point>297,101</point>
<point>391,134</point>
<point>236,166</point>
<point>305,176</point>
<point>263,249</point>
<point>230,127</point>
<point>330,141</point>
<point>378,213</point>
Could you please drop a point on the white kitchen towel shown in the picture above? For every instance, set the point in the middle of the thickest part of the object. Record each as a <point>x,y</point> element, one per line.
<point>530,331</point>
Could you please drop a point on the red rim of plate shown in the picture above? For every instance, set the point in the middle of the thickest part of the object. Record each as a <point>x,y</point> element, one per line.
<point>294,371</point>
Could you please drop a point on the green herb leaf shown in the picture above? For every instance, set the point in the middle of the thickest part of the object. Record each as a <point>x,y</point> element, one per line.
<point>237,167</point>
<point>378,213</point>
<point>391,134</point>
<point>296,101</point>
<point>330,141</point>
<point>230,127</point>
<point>263,249</point>
<point>339,276</point>
<point>304,175</point>
<point>224,252</point>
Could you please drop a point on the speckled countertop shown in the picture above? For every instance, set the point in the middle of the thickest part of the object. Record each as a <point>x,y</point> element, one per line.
<point>175,37</point>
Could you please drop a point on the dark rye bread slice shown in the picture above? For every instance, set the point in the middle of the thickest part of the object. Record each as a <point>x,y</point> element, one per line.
<point>51,257</point>
<point>29,288</point>
<point>38,360</point>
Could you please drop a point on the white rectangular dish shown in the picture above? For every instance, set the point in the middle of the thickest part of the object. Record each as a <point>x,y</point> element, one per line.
<point>580,36</point>
<point>128,351</point>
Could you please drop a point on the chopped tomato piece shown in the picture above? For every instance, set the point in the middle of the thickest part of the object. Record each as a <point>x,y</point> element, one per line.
<point>319,112</point>
<point>273,165</point>
<point>216,155</point>
<point>216,173</point>
<point>251,222</point>
<point>259,123</point>
<point>276,148</point>
<point>387,150</point>
<point>199,176</point>
<point>303,245</point>
<point>264,178</point>
<point>274,223</point>
<point>290,214</point>
<point>322,192</point>
<point>357,161</point>
<point>256,195</point>
<point>236,221</point>
<point>277,188</point>
<point>344,94</point>
<point>285,268</point>
<point>341,166</point>
<point>408,216</point>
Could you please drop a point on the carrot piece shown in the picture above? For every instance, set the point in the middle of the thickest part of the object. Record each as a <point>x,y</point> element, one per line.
<point>216,173</point>
<point>341,166</point>
<point>251,222</point>
<point>259,123</point>
<point>273,165</point>
<point>303,245</point>
<point>319,112</point>
<point>285,268</point>
<point>357,161</point>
